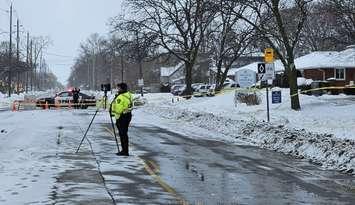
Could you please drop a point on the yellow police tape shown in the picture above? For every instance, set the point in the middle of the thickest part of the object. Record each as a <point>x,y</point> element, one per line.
<point>152,170</point>
<point>255,89</point>
<point>17,105</point>
<point>322,88</point>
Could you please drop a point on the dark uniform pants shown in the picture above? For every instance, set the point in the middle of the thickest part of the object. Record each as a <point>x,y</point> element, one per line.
<point>75,101</point>
<point>122,124</point>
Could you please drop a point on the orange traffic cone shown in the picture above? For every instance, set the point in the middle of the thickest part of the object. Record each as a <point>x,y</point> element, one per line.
<point>14,107</point>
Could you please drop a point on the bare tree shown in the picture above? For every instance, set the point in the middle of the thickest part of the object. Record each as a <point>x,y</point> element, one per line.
<point>93,49</point>
<point>139,44</point>
<point>330,26</point>
<point>268,17</point>
<point>229,37</point>
<point>40,44</point>
<point>344,13</point>
<point>179,27</point>
<point>319,31</point>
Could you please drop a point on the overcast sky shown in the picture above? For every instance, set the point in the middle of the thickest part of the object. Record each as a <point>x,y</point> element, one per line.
<point>66,22</point>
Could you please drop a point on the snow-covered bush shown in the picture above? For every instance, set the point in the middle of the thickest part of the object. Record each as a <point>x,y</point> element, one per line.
<point>246,96</point>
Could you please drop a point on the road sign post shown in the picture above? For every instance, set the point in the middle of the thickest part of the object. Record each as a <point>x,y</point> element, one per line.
<point>269,55</point>
<point>266,72</point>
<point>267,103</point>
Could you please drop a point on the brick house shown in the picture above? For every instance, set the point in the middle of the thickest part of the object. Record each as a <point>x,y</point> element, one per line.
<point>338,68</point>
<point>335,67</point>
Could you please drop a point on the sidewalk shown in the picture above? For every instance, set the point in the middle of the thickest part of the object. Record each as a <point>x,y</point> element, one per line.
<point>39,165</point>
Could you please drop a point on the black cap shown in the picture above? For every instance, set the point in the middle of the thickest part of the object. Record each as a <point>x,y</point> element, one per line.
<point>123,86</point>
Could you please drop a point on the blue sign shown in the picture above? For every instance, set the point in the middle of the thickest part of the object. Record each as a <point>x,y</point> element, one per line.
<point>276,97</point>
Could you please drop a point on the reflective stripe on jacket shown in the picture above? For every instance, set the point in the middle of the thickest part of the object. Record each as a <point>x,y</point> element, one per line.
<point>122,104</point>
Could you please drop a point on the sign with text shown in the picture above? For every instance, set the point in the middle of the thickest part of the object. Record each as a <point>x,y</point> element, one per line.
<point>269,72</point>
<point>245,78</point>
<point>276,97</point>
<point>140,82</point>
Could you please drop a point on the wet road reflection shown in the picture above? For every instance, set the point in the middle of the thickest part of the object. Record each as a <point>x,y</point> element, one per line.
<point>212,172</point>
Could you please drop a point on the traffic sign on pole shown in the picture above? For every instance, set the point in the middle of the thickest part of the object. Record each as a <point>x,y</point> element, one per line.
<point>261,68</point>
<point>276,97</point>
<point>269,55</point>
<point>269,72</point>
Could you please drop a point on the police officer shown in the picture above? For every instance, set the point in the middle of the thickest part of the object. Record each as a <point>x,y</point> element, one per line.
<point>121,108</point>
<point>76,92</point>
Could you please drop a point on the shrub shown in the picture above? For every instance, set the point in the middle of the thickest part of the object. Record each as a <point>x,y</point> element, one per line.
<point>248,97</point>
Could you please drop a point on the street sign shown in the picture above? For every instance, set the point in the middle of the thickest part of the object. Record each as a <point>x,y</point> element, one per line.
<point>276,97</point>
<point>261,68</point>
<point>245,78</point>
<point>269,72</point>
<point>140,82</point>
<point>269,55</point>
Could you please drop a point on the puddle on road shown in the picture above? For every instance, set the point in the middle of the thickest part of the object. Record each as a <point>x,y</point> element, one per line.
<point>218,172</point>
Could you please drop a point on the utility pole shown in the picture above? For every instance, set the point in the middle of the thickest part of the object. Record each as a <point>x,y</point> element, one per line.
<point>93,70</point>
<point>27,59</point>
<point>10,53</point>
<point>122,68</point>
<point>40,77</point>
<point>45,86</point>
<point>111,72</point>
<point>31,63</point>
<point>88,64</point>
<point>35,68</point>
<point>18,55</point>
<point>140,80</point>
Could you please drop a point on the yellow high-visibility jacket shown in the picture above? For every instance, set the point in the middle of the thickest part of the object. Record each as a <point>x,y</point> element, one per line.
<point>122,104</point>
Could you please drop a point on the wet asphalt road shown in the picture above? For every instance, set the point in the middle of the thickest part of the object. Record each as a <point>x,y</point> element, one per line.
<point>167,167</point>
<point>212,172</point>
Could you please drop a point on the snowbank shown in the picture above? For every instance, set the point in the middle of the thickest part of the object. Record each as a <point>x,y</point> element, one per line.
<point>323,131</point>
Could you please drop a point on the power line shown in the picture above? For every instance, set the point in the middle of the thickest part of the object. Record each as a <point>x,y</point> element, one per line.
<point>4,10</point>
<point>59,55</point>
<point>63,64</point>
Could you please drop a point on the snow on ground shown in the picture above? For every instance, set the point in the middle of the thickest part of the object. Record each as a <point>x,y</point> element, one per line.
<point>323,131</point>
<point>38,164</point>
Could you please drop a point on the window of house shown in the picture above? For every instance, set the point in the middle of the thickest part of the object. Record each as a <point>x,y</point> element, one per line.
<point>339,73</point>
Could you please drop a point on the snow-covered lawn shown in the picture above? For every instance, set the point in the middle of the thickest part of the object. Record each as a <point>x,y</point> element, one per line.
<point>331,114</point>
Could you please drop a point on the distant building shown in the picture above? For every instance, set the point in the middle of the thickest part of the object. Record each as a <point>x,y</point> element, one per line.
<point>238,64</point>
<point>169,75</point>
<point>337,67</point>
<point>176,74</point>
<point>332,66</point>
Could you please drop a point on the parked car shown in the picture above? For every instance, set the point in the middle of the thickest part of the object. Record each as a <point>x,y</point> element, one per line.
<point>230,85</point>
<point>65,99</point>
<point>211,90</point>
<point>195,86</point>
<point>177,89</point>
<point>201,90</point>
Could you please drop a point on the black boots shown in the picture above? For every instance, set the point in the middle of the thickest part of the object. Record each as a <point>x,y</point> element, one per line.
<point>122,154</point>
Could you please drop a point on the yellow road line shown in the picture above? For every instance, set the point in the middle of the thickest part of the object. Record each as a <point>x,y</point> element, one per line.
<point>153,174</point>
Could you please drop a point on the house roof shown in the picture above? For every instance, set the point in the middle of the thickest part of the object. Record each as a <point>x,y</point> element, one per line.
<point>254,67</point>
<point>327,59</point>
<point>314,60</point>
<point>168,71</point>
<point>319,59</point>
